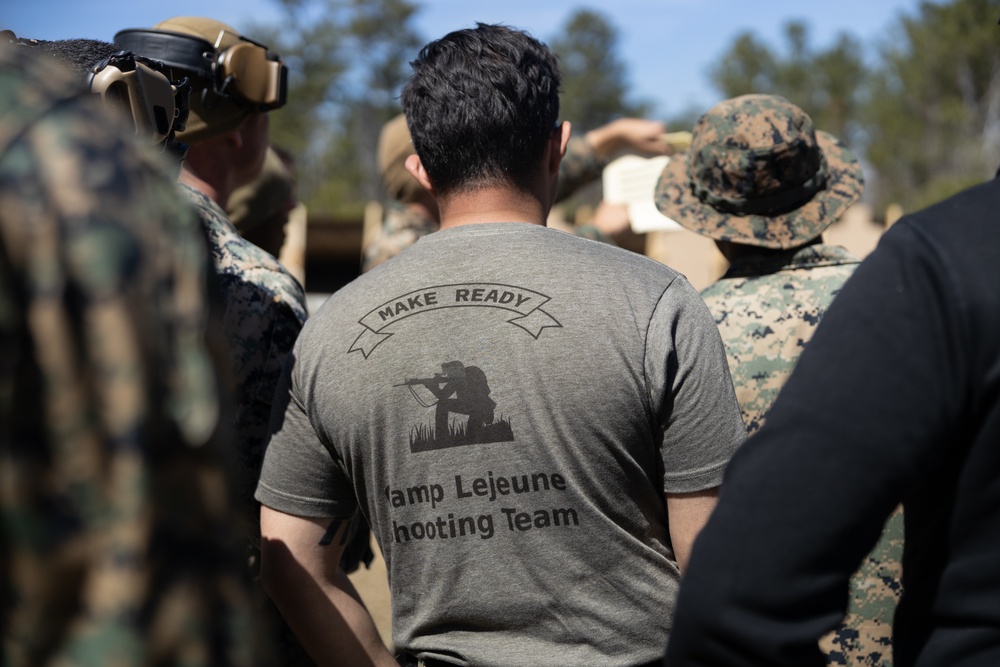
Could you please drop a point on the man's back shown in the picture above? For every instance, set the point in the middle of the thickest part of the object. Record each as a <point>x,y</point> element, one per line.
<point>767,308</point>
<point>541,536</point>
<point>502,400</point>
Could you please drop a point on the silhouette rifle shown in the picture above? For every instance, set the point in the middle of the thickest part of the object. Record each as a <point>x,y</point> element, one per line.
<point>437,379</point>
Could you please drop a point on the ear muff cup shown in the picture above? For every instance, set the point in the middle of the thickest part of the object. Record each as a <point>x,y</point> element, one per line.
<point>136,89</point>
<point>247,71</point>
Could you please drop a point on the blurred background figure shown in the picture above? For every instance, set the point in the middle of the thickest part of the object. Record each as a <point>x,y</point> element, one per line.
<point>410,211</point>
<point>259,210</point>
<point>267,213</point>
<point>118,539</point>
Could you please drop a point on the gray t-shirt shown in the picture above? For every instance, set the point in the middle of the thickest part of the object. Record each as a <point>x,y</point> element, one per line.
<point>507,404</point>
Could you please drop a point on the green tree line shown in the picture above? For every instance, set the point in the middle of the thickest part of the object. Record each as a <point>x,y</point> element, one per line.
<point>348,60</point>
<point>921,106</point>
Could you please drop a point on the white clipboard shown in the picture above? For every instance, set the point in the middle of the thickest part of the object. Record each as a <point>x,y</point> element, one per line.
<point>631,180</point>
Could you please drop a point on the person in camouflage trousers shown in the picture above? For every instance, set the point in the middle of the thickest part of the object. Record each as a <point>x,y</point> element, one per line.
<point>764,184</point>
<point>411,212</point>
<point>117,531</point>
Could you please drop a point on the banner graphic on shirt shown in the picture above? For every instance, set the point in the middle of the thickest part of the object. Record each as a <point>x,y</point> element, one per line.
<point>526,303</point>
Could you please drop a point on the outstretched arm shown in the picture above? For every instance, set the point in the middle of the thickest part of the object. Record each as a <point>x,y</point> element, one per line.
<point>639,134</point>
<point>300,570</point>
<point>586,157</point>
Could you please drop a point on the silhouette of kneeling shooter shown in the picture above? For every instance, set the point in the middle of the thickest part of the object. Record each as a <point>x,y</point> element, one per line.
<point>459,389</point>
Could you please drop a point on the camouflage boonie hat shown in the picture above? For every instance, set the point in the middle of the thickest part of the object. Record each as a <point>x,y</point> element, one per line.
<point>759,173</point>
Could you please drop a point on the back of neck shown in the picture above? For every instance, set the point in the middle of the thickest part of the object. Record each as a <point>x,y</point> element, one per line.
<point>208,176</point>
<point>491,204</point>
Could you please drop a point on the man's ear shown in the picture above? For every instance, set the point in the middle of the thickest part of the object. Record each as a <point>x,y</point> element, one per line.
<point>560,139</point>
<point>416,169</point>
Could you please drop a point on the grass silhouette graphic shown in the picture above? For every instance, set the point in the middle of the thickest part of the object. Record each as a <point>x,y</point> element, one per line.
<point>423,438</point>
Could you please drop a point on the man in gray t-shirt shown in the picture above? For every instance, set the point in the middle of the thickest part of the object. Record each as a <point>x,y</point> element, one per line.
<point>534,424</point>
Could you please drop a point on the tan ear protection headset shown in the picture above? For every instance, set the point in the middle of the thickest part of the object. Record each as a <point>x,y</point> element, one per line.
<point>135,85</point>
<point>245,73</point>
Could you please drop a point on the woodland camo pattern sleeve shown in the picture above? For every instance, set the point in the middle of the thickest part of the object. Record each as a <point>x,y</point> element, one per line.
<point>117,544</point>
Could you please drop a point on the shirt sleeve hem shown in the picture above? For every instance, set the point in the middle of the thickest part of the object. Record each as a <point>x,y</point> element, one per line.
<point>696,480</point>
<point>301,505</point>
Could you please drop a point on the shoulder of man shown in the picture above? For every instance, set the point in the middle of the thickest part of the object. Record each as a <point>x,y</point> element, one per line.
<point>113,210</point>
<point>257,270</point>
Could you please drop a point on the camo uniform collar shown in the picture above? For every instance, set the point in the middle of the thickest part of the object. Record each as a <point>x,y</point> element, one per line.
<point>809,257</point>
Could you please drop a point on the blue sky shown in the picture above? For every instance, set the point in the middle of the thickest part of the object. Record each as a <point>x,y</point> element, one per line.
<point>667,45</point>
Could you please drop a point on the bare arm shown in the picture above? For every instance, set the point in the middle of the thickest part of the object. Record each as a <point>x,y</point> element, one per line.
<point>687,514</point>
<point>639,134</point>
<point>586,157</point>
<point>300,570</point>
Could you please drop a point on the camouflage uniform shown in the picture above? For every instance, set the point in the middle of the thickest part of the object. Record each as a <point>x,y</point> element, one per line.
<point>264,309</point>
<point>579,167</point>
<point>733,187</point>
<point>865,636</point>
<point>402,226</point>
<point>767,308</point>
<point>117,541</point>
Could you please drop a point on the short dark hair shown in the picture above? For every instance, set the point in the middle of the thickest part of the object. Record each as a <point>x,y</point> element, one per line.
<point>481,105</point>
<point>80,55</point>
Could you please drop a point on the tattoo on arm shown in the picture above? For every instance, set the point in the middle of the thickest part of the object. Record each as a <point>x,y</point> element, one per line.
<point>327,538</point>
